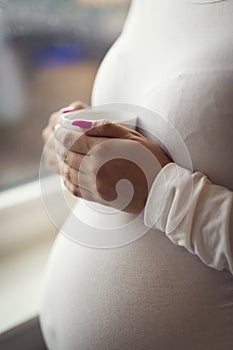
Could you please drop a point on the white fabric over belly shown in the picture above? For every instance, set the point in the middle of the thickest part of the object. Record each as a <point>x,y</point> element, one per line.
<point>148,295</point>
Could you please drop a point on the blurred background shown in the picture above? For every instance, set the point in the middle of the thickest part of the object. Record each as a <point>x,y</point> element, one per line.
<point>50,53</point>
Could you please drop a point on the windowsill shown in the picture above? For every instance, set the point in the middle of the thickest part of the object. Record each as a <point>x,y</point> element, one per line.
<point>26,237</point>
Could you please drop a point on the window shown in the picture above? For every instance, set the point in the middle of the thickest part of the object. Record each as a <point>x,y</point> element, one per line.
<point>50,52</point>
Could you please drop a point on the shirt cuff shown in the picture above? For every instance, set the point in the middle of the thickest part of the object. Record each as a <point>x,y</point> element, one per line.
<point>169,198</point>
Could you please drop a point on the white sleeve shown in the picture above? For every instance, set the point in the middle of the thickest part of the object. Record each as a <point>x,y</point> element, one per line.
<point>193,213</point>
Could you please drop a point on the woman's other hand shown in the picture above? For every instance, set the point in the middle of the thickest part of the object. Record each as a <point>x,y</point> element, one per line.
<point>95,183</point>
<point>51,162</point>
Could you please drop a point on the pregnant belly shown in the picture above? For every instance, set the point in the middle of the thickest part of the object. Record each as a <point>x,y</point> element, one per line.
<point>147,295</point>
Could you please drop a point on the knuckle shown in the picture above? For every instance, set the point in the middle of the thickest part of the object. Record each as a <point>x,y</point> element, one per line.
<point>66,171</point>
<point>75,103</point>
<point>78,104</point>
<point>107,126</point>
<point>67,140</point>
<point>71,159</point>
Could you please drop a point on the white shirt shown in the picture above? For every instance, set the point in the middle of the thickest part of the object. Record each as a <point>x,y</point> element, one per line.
<point>174,57</point>
<point>177,59</point>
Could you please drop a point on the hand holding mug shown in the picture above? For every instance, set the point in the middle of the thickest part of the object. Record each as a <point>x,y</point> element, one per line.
<point>99,184</point>
<point>48,134</point>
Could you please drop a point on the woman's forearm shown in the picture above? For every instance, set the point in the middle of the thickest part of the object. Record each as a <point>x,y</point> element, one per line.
<point>193,213</point>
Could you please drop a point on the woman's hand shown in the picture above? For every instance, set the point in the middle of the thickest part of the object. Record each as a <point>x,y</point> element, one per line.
<point>92,182</point>
<point>48,134</point>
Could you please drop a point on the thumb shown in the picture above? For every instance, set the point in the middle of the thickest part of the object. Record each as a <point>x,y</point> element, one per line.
<point>109,129</point>
<point>78,105</point>
<point>74,106</point>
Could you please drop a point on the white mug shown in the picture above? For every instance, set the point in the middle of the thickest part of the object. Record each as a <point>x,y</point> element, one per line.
<point>93,117</point>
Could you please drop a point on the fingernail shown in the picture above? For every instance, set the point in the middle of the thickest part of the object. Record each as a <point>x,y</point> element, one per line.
<point>67,110</point>
<point>82,124</point>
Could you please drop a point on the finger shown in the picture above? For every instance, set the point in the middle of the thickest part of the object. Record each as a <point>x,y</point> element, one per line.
<point>60,150</point>
<point>50,162</point>
<point>75,141</point>
<point>74,159</point>
<point>46,133</point>
<point>52,167</point>
<point>54,120</point>
<point>72,188</point>
<point>84,144</point>
<point>74,106</point>
<point>76,191</point>
<point>67,137</point>
<point>109,129</point>
<point>50,142</point>
<point>76,177</point>
<point>49,147</point>
<point>78,105</point>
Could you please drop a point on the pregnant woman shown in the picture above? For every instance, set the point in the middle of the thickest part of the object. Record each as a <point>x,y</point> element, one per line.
<point>174,57</point>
